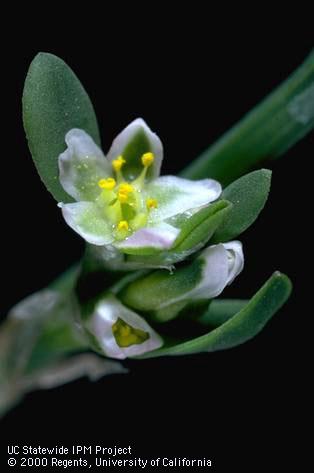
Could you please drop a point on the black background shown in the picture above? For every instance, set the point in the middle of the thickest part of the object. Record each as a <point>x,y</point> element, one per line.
<point>237,407</point>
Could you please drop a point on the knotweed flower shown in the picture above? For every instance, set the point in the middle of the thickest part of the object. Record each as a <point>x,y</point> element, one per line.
<point>121,200</point>
<point>204,278</point>
<point>118,332</point>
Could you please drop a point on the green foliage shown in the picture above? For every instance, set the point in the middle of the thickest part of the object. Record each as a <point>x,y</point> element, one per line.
<point>248,196</point>
<point>247,323</point>
<point>54,101</point>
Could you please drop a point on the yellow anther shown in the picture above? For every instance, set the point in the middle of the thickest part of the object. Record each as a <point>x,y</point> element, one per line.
<point>151,203</point>
<point>126,188</point>
<point>118,163</point>
<point>123,225</point>
<point>125,331</point>
<point>107,184</point>
<point>123,197</point>
<point>147,159</point>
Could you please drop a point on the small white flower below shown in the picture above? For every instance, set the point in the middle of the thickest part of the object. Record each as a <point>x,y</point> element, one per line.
<point>120,332</point>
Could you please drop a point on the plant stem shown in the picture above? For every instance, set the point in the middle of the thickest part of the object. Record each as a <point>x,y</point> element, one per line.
<point>270,129</point>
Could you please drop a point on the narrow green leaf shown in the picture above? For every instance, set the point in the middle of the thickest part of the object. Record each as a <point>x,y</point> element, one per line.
<point>161,287</point>
<point>241,327</point>
<point>270,129</point>
<point>199,228</point>
<point>248,196</point>
<point>54,101</point>
<point>221,310</point>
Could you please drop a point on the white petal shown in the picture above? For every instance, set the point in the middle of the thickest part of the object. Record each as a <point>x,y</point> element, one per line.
<point>159,237</point>
<point>141,140</point>
<point>176,195</point>
<point>82,165</point>
<point>222,263</point>
<point>215,273</point>
<point>235,259</point>
<point>88,221</point>
<point>106,314</point>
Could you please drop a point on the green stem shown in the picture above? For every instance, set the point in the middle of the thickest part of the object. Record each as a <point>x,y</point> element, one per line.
<point>270,129</point>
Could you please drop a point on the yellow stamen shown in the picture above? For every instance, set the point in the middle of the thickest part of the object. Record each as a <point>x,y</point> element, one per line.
<point>126,188</point>
<point>118,163</point>
<point>147,159</point>
<point>151,203</point>
<point>123,197</point>
<point>125,330</point>
<point>123,225</point>
<point>107,184</point>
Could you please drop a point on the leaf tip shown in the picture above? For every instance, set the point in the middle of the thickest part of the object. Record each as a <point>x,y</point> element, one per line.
<point>43,55</point>
<point>283,278</point>
<point>266,172</point>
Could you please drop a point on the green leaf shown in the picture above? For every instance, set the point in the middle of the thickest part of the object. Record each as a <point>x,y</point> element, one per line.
<point>270,129</point>
<point>243,326</point>
<point>54,101</point>
<point>159,288</point>
<point>221,310</point>
<point>199,228</point>
<point>248,196</point>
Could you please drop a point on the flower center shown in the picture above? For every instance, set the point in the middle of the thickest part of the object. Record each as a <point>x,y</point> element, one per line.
<point>126,335</point>
<point>124,203</point>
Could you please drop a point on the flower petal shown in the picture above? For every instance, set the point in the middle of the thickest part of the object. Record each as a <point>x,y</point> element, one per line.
<point>176,195</point>
<point>235,259</point>
<point>223,263</point>
<point>107,313</point>
<point>149,240</point>
<point>135,140</point>
<point>202,279</point>
<point>214,276</point>
<point>87,220</point>
<point>82,165</point>
<point>215,273</point>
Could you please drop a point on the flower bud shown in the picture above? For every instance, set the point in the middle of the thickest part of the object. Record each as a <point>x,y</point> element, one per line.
<point>204,278</point>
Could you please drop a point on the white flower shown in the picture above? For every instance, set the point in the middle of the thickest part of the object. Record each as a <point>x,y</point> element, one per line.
<point>203,279</point>
<point>121,200</point>
<point>222,264</point>
<point>120,332</point>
